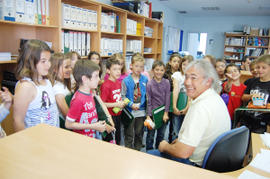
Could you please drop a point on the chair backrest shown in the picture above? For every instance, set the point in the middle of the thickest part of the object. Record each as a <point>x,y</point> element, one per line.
<point>227,152</point>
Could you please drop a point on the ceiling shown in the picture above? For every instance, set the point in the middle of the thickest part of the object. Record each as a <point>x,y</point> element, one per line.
<point>220,7</point>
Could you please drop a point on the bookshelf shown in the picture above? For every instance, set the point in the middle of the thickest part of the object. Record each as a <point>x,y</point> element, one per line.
<point>236,46</point>
<point>12,32</point>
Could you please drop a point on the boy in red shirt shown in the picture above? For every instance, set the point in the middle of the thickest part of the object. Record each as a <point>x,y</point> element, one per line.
<point>234,88</point>
<point>110,93</point>
<point>82,115</point>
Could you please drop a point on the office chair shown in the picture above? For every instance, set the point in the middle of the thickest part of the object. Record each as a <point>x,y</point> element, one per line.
<point>227,152</point>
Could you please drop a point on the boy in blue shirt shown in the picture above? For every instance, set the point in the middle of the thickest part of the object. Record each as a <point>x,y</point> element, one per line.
<point>134,88</point>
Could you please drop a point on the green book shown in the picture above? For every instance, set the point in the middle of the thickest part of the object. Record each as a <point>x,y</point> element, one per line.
<point>158,114</point>
<point>126,117</point>
<point>181,101</point>
<point>68,98</point>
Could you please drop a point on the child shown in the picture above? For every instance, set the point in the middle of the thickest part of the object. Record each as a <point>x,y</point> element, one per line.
<point>211,59</point>
<point>260,87</point>
<point>34,100</point>
<point>134,88</point>
<point>74,57</point>
<point>254,72</point>
<point>158,94</point>
<point>111,94</point>
<point>220,68</point>
<point>6,98</point>
<point>82,115</point>
<point>234,88</point>
<point>178,86</point>
<point>121,60</point>
<point>245,64</point>
<point>171,67</point>
<point>95,57</point>
<point>60,78</point>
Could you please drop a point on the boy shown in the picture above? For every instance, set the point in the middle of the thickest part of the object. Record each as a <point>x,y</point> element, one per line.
<point>134,88</point>
<point>233,87</point>
<point>82,115</point>
<point>111,94</point>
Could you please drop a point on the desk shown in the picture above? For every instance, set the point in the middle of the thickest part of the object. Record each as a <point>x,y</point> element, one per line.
<point>257,144</point>
<point>48,152</point>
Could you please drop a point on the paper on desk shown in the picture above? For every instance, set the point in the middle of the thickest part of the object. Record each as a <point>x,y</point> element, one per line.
<point>262,160</point>
<point>266,139</point>
<point>250,175</point>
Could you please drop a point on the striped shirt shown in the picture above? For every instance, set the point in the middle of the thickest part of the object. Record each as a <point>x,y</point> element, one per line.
<point>43,108</point>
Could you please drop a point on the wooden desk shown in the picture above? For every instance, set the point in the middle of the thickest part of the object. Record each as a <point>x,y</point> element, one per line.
<point>48,152</point>
<point>257,144</point>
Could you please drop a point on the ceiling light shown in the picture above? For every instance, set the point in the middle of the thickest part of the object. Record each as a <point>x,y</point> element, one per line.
<point>210,8</point>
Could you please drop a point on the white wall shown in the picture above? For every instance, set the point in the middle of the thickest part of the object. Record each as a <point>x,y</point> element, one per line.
<point>216,26</point>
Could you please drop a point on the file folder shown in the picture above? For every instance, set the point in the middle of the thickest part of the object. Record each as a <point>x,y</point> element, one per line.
<point>181,101</point>
<point>158,114</point>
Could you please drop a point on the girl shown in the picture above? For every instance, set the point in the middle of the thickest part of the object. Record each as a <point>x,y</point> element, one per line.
<point>254,72</point>
<point>158,94</point>
<point>178,86</point>
<point>220,68</point>
<point>234,88</point>
<point>31,105</point>
<point>6,99</point>
<point>74,57</point>
<point>121,59</point>
<point>172,67</point>
<point>95,57</point>
<point>211,59</point>
<point>60,78</point>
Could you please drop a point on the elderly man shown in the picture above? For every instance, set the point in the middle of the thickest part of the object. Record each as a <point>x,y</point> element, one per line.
<point>206,119</point>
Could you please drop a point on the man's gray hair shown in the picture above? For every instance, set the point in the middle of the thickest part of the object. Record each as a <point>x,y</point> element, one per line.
<point>209,72</point>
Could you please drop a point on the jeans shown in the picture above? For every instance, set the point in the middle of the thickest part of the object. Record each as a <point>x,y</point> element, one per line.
<point>117,124</point>
<point>175,126</point>
<point>151,134</point>
<point>136,126</point>
<point>167,156</point>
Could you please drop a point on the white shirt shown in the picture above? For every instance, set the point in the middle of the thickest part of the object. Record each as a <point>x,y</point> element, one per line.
<point>59,88</point>
<point>206,119</point>
<point>180,78</point>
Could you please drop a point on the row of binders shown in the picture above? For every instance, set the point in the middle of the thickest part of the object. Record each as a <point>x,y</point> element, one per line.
<point>134,46</point>
<point>110,22</point>
<point>255,52</point>
<point>257,41</point>
<point>133,27</point>
<point>76,17</point>
<point>235,41</point>
<point>76,41</point>
<point>148,31</point>
<point>109,46</point>
<point>27,11</point>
